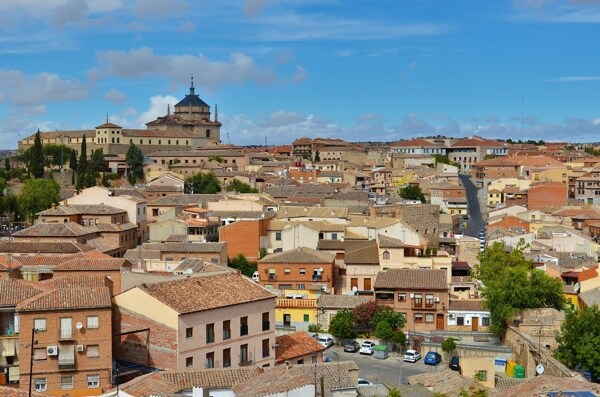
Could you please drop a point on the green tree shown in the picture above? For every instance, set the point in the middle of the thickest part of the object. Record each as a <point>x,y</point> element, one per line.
<point>363,315</point>
<point>73,165</point>
<point>393,392</point>
<point>448,345</point>
<point>489,156</point>
<point>579,340</point>
<point>342,325</point>
<point>36,157</point>
<point>7,164</point>
<point>238,186</point>
<point>393,318</point>
<point>38,195</point>
<point>203,183</point>
<point>82,166</point>
<point>217,159</point>
<point>496,257</point>
<point>384,331</point>
<point>317,158</point>
<point>135,160</point>
<point>241,263</point>
<point>412,192</point>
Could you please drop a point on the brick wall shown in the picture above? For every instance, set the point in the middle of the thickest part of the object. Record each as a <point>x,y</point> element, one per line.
<point>243,237</point>
<point>548,195</point>
<point>162,349</point>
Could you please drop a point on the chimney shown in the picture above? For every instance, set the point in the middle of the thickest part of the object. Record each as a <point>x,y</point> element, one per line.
<point>53,206</point>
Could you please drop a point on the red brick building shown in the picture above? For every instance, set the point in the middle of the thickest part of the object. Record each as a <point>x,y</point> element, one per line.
<point>547,195</point>
<point>244,237</point>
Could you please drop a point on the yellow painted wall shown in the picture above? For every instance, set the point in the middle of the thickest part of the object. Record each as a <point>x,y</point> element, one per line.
<point>140,302</point>
<point>572,299</point>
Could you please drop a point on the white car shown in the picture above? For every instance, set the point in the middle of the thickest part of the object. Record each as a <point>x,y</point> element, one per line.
<point>325,341</point>
<point>412,355</point>
<point>364,382</point>
<point>367,347</point>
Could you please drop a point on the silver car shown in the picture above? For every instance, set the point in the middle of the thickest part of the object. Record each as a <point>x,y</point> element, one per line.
<point>412,356</point>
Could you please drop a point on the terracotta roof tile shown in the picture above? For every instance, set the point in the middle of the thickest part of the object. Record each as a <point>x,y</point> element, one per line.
<point>278,381</point>
<point>33,247</point>
<point>207,292</point>
<point>183,247</point>
<point>93,264</point>
<point>342,301</point>
<point>466,305</point>
<point>77,282</point>
<point>6,391</point>
<point>299,255</point>
<point>68,298</point>
<point>540,385</point>
<point>63,230</point>
<point>296,345</point>
<point>13,291</point>
<point>413,279</point>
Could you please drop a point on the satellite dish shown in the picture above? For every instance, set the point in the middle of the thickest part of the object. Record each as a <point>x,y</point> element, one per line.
<point>539,369</point>
<point>355,288</point>
<point>412,296</point>
<point>79,325</point>
<point>320,269</point>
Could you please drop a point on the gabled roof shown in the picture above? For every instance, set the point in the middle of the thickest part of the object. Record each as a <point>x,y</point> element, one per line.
<point>342,301</point>
<point>468,305</point>
<point>280,381</point>
<point>412,279</point>
<point>68,229</point>
<point>365,255</point>
<point>93,264</point>
<point>67,299</point>
<point>299,255</point>
<point>389,242</point>
<point>13,291</point>
<point>298,344</point>
<point>201,293</point>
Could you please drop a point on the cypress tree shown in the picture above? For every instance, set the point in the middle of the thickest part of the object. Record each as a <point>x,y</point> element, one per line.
<point>36,160</point>
<point>82,166</point>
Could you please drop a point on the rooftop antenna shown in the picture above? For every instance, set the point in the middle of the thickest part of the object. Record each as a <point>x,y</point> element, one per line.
<point>107,117</point>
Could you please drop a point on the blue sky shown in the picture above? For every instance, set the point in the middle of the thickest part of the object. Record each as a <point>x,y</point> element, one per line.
<point>282,69</point>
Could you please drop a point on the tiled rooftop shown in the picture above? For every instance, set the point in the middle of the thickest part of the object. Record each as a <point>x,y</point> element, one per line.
<point>207,292</point>
<point>68,298</point>
<point>13,291</point>
<point>342,301</point>
<point>63,230</point>
<point>278,381</point>
<point>93,264</point>
<point>540,385</point>
<point>299,255</point>
<point>412,279</point>
<point>184,247</point>
<point>296,345</point>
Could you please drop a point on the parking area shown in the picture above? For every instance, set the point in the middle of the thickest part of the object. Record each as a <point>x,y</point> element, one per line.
<point>390,371</point>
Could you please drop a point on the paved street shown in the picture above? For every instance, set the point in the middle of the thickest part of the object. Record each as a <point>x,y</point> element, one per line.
<point>476,221</point>
<point>382,371</point>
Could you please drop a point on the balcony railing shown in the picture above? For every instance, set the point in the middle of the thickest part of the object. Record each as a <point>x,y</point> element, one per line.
<point>66,364</point>
<point>65,333</point>
<point>297,303</point>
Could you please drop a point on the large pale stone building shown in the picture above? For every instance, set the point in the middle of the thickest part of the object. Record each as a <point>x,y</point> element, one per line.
<point>188,128</point>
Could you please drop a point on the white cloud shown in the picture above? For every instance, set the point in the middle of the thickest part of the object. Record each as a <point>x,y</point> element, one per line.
<point>72,12</point>
<point>19,89</point>
<point>159,9</point>
<point>300,75</point>
<point>208,74</point>
<point>158,107</point>
<point>115,96</point>
<point>573,79</point>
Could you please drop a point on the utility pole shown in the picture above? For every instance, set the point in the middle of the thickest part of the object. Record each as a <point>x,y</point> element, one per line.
<point>33,342</point>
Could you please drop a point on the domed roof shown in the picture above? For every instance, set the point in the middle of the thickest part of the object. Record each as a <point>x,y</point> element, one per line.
<point>192,99</point>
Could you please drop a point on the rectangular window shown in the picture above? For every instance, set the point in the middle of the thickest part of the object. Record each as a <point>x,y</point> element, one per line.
<point>306,318</point>
<point>210,360</point>
<point>266,324</point>
<point>265,348</point>
<point>210,333</point>
<point>428,300</point>
<point>66,383</point>
<point>93,381</point>
<point>277,236</point>
<point>402,297</point>
<point>40,353</point>
<point>40,384</point>
<point>226,329</point>
<point>334,236</point>
<point>418,318</point>
<point>482,375</point>
<point>227,358</point>
<point>460,321</point>
<point>189,362</point>
<point>93,351</point>
<point>287,270</point>
<point>244,353</point>
<point>189,332</point>
<point>92,322</point>
<point>418,300</point>
<point>300,286</point>
<point>39,324</point>
<point>302,271</point>
<point>243,326</point>
<point>429,318</point>
<point>485,321</point>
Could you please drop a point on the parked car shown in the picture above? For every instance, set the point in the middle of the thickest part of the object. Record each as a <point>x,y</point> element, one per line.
<point>454,363</point>
<point>367,347</point>
<point>325,341</point>
<point>364,382</point>
<point>351,346</point>
<point>412,355</point>
<point>433,358</point>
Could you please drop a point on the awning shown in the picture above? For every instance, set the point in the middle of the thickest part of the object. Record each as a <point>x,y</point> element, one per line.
<point>384,292</point>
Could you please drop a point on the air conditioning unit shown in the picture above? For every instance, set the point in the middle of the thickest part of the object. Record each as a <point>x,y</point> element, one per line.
<point>450,315</point>
<point>52,350</point>
<point>80,348</point>
<point>436,299</point>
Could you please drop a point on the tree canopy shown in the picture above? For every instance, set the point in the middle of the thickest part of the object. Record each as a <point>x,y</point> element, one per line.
<point>36,157</point>
<point>579,340</point>
<point>38,195</point>
<point>342,325</point>
<point>203,183</point>
<point>241,263</point>
<point>412,192</point>
<point>510,285</point>
<point>235,185</point>
<point>135,160</point>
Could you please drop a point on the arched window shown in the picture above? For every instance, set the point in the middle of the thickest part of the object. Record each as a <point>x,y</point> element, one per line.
<point>386,255</point>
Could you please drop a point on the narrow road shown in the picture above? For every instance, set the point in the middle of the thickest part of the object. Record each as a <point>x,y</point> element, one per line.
<point>476,221</point>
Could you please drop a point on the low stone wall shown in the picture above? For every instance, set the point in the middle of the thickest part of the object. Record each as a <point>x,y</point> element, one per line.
<point>529,352</point>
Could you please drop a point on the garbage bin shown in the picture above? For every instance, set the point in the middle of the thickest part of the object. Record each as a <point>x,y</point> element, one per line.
<point>519,372</point>
<point>380,351</point>
<point>510,368</point>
